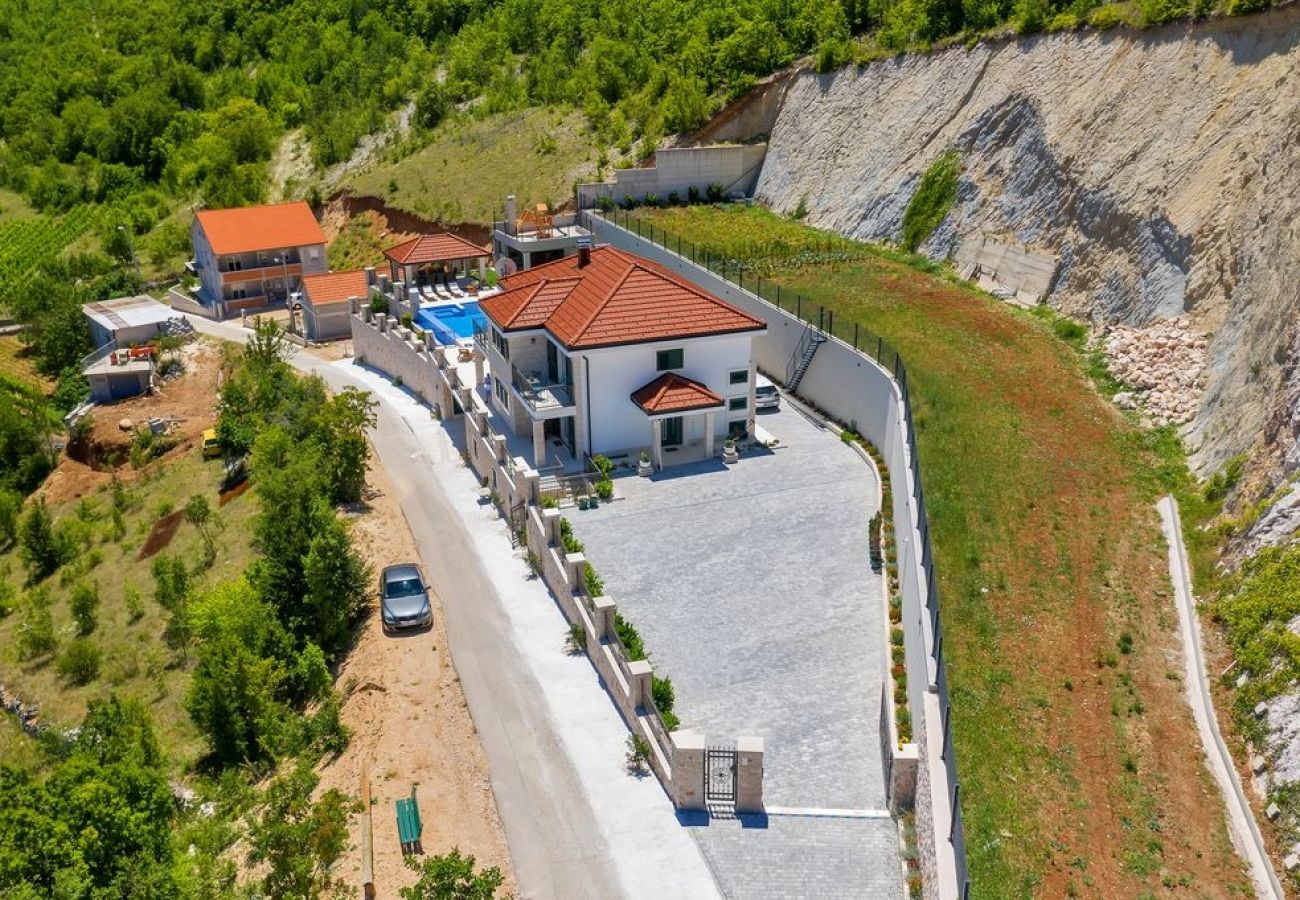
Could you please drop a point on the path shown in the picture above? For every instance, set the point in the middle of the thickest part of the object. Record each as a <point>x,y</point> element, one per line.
<point>577,825</point>
<point>1241,821</point>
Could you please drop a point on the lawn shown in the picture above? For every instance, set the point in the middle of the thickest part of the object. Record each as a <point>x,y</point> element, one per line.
<point>1080,768</point>
<point>466,171</point>
<point>136,661</point>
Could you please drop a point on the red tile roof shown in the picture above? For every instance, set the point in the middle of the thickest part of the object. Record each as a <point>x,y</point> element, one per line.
<point>333,287</point>
<point>673,393</point>
<point>250,228</point>
<point>617,298</point>
<point>429,248</point>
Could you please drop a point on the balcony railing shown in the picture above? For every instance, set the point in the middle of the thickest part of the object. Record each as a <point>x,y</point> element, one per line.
<point>540,394</point>
<point>256,273</point>
<point>481,338</point>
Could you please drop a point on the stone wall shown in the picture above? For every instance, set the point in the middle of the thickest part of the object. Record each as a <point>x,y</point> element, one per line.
<point>733,166</point>
<point>853,388</point>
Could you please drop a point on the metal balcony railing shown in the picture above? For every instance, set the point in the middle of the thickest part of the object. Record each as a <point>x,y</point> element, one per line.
<point>540,394</point>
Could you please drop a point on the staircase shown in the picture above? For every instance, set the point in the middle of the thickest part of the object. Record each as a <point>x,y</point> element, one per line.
<point>805,351</point>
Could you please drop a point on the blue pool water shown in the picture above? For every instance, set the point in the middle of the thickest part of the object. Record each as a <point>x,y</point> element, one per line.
<point>452,322</point>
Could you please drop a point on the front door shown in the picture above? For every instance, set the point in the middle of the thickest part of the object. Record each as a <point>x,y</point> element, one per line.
<point>672,432</point>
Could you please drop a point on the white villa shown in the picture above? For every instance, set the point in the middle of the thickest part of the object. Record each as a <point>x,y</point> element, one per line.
<point>607,353</point>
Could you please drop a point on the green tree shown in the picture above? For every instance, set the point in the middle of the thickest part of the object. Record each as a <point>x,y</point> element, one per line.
<point>199,513</point>
<point>11,504</point>
<point>337,578</point>
<point>84,604</point>
<point>79,662</point>
<point>298,840</point>
<point>451,876</point>
<point>40,548</point>
<point>342,423</point>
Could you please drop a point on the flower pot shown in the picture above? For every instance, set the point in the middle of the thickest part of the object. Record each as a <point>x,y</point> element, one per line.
<point>645,468</point>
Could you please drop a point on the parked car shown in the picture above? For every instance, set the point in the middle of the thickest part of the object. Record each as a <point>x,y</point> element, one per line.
<point>765,394</point>
<point>404,598</point>
<point>211,446</point>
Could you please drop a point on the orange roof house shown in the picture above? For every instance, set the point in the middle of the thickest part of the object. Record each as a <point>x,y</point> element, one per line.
<point>609,353</point>
<point>254,257</point>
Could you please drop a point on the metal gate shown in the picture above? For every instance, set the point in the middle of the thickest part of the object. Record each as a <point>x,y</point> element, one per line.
<point>517,517</point>
<point>720,775</point>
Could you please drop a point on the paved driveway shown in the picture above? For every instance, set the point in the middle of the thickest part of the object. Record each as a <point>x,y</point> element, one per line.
<point>752,589</point>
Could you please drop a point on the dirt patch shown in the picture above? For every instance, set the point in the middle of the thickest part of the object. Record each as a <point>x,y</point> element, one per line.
<point>401,223</point>
<point>160,536</point>
<point>187,403</point>
<point>410,726</point>
<point>226,496</point>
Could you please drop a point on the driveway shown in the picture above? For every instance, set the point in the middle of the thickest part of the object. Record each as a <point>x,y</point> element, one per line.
<point>752,589</point>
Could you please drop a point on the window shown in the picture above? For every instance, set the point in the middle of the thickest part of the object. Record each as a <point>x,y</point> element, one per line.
<point>740,376</point>
<point>314,253</point>
<point>502,394</point>
<point>670,359</point>
<point>738,404</point>
<point>501,342</point>
<point>234,265</point>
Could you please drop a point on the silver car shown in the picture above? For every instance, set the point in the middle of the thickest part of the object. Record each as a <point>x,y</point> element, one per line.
<point>765,394</point>
<point>404,598</point>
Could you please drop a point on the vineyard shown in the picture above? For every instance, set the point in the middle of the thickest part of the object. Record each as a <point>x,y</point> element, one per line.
<point>28,244</point>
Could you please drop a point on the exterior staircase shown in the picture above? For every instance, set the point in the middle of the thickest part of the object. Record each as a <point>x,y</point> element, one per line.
<point>806,351</point>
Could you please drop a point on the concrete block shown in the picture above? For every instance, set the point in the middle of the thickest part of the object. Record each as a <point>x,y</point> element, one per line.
<point>1273,811</point>
<point>1258,764</point>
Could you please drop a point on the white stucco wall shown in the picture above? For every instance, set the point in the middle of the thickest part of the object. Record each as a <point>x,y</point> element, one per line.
<point>614,373</point>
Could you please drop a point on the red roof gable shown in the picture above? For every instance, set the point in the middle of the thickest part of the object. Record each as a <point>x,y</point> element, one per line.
<point>673,393</point>
<point>332,287</point>
<point>429,248</point>
<point>248,229</point>
<point>617,298</point>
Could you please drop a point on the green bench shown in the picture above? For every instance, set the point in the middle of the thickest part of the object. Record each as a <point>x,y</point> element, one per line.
<point>409,825</point>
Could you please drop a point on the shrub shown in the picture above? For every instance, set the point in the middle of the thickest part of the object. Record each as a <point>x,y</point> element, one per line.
<point>630,638</point>
<point>549,503</point>
<point>933,199</point>
<point>576,640</point>
<point>638,751</point>
<point>36,636</point>
<point>78,664</point>
<point>692,194</point>
<point>594,583</point>
<point>41,549</point>
<point>664,695</point>
<point>570,543</point>
<point>452,877</point>
<point>605,204</point>
<point>896,636</point>
<point>328,734</point>
<point>11,504</point>
<point>84,604</point>
<point>602,464</point>
<point>133,602</point>
<point>715,192</point>
<point>629,202</point>
<point>605,489</point>
<point>651,199</point>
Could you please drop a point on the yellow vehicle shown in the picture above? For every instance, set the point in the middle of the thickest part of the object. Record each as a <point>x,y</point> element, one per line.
<point>211,446</point>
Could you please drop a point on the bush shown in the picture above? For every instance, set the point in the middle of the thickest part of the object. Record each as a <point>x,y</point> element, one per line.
<point>674,198</point>
<point>933,199</point>
<point>629,202</point>
<point>78,664</point>
<point>630,638</point>
<point>11,504</point>
<point>605,204</point>
<point>36,636</point>
<point>570,543</point>
<point>605,489</point>
<point>651,199</point>
<point>594,583</point>
<point>41,549</point>
<point>692,194</point>
<point>84,604</point>
<point>576,640</point>
<point>715,192</point>
<point>451,877</point>
<point>134,603</point>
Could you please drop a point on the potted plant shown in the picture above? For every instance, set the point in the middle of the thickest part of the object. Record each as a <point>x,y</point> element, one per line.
<point>643,466</point>
<point>729,453</point>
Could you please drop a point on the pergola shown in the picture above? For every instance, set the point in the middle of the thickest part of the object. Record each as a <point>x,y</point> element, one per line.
<point>432,258</point>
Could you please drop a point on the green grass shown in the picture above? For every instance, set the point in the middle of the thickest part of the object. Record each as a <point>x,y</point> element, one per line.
<point>1047,550</point>
<point>130,648</point>
<point>466,171</point>
<point>16,363</point>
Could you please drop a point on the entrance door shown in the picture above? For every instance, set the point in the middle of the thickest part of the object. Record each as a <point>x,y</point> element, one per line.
<point>552,363</point>
<point>672,432</point>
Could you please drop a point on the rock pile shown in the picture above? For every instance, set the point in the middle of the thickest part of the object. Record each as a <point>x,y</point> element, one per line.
<point>1164,364</point>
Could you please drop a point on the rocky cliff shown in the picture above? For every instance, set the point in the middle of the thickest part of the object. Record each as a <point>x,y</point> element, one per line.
<point>1158,170</point>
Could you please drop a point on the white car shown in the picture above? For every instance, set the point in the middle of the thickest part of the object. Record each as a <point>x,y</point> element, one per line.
<point>765,394</point>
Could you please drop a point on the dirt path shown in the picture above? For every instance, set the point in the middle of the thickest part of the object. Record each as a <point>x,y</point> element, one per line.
<point>411,725</point>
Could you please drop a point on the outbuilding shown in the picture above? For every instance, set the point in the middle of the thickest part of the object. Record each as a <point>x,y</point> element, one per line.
<point>325,311</point>
<point>131,321</point>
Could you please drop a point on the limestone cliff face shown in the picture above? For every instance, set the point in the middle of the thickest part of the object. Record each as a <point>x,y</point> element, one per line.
<point>1160,168</point>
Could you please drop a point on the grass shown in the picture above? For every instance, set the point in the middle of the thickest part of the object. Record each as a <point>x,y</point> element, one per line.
<point>360,243</point>
<point>932,200</point>
<point>135,660</point>
<point>466,171</point>
<point>1047,550</point>
<point>16,363</point>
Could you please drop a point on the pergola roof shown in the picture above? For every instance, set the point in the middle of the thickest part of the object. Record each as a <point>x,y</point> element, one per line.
<point>673,393</point>
<point>430,248</point>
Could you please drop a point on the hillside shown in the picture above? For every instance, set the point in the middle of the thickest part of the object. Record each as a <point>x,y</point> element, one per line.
<point>1154,169</point>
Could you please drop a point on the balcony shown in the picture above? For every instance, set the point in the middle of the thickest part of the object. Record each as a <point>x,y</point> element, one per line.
<point>544,399</point>
<point>258,273</point>
<point>482,339</point>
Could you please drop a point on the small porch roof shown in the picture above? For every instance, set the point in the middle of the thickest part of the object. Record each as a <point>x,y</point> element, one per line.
<point>671,394</point>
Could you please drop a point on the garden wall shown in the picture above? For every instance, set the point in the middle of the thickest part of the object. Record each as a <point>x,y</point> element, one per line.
<point>733,166</point>
<point>851,387</point>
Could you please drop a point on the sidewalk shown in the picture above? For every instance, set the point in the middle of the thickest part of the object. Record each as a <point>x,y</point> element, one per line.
<point>577,824</point>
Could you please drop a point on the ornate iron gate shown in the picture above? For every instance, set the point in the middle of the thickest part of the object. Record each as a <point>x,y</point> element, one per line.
<point>517,517</point>
<point>720,775</point>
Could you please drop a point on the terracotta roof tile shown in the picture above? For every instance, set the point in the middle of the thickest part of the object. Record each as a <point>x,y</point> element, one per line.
<point>617,298</point>
<point>673,393</point>
<point>332,287</point>
<point>429,248</point>
<point>250,228</point>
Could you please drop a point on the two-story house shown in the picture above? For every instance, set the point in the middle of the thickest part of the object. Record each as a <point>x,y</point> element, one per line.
<point>255,256</point>
<point>612,354</point>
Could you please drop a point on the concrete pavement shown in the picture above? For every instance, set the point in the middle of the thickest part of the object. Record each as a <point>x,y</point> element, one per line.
<point>577,824</point>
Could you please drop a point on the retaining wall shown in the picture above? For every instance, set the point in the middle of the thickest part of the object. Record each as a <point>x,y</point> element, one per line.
<point>734,166</point>
<point>855,389</point>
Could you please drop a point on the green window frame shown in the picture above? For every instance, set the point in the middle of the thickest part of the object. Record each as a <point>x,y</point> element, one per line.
<point>737,404</point>
<point>739,376</point>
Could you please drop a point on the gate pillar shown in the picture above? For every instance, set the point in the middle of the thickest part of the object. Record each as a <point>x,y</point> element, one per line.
<point>749,774</point>
<point>688,770</point>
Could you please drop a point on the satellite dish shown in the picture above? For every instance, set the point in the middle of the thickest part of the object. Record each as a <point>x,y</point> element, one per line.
<point>505,267</point>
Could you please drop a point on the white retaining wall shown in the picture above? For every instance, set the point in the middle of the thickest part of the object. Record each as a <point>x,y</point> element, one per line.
<point>734,166</point>
<point>853,388</point>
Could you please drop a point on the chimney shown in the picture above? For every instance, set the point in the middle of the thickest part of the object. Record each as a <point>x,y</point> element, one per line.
<point>584,251</point>
<point>510,213</point>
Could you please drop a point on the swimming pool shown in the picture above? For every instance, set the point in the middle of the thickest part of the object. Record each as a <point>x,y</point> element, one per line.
<point>451,322</point>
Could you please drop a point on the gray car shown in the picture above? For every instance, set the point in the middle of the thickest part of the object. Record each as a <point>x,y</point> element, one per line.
<point>404,598</point>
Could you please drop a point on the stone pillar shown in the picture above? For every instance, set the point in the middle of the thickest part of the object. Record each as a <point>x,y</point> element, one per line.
<point>370,275</point>
<point>354,306</point>
<point>381,322</point>
<point>749,774</point>
<point>551,521</point>
<point>527,479</point>
<point>478,367</point>
<point>640,688</point>
<point>482,270</point>
<point>382,281</point>
<point>688,770</point>
<point>539,443</point>
<point>603,616</point>
<point>709,418</point>
<point>657,447</point>
<point>575,565</point>
<point>499,447</point>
